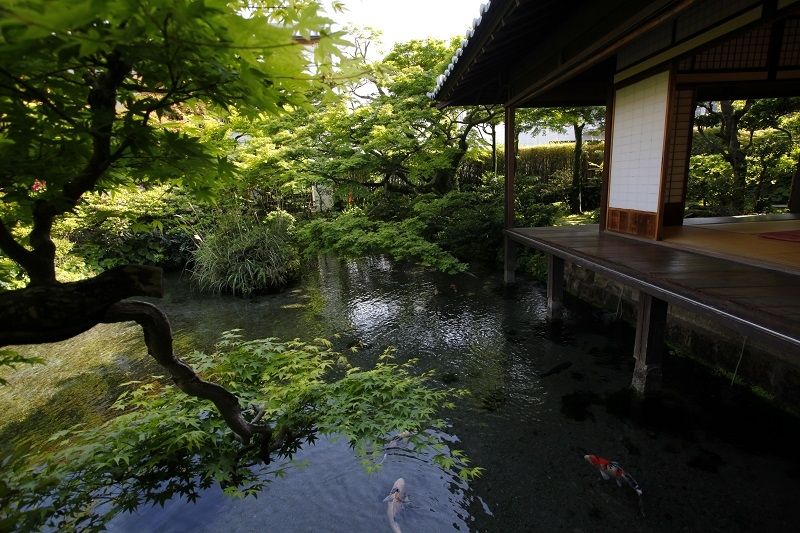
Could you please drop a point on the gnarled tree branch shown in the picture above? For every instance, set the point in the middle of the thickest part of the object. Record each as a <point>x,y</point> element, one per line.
<point>50,313</point>
<point>158,337</point>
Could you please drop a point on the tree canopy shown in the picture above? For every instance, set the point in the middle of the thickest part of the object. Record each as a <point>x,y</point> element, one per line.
<point>380,131</point>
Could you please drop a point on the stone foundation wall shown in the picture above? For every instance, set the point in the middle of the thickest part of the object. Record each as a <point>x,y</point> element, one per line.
<point>697,336</point>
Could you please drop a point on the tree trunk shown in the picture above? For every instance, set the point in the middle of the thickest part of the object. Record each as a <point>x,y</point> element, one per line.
<point>575,191</point>
<point>59,311</point>
<point>444,179</point>
<point>794,193</point>
<point>735,156</point>
<point>158,337</point>
<point>494,149</point>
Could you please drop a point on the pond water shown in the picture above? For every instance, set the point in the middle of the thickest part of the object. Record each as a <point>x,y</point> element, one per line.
<point>544,394</point>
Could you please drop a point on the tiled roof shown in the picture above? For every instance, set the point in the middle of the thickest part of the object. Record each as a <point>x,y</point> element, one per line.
<point>464,42</point>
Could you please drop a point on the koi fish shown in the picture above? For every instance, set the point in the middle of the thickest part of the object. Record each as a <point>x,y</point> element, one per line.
<point>396,442</point>
<point>612,469</point>
<point>394,502</point>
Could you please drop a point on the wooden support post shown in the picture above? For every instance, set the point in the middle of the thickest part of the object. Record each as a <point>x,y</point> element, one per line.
<point>510,263</point>
<point>555,286</point>
<point>511,165</point>
<point>794,192</point>
<point>651,321</point>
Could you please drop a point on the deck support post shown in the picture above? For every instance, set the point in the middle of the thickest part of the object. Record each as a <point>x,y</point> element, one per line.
<point>651,321</point>
<point>555,286</point>
<point>510,261</point>
<point>511,165</point>
<point>508,200</point>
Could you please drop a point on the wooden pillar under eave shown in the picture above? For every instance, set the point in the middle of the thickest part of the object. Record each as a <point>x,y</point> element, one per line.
<point>510,176</point>
<point>648,351</point>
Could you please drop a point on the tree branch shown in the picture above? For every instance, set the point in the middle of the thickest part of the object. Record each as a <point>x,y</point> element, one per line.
<point>158,337</point>
<point>14,250</point>
<point>51,313</point>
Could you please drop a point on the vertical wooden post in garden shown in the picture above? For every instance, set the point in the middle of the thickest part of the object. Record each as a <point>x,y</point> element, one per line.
<point>651,321</point>
<point>555,286</point>
<point>511,174</point>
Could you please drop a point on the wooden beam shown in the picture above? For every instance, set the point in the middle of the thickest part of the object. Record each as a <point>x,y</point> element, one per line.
<point>651,321</point>
<point>511,165</point>
<point>555,286</point>
<point>627,20</point>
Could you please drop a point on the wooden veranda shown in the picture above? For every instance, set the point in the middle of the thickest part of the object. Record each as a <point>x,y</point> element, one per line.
<point>756,301</point>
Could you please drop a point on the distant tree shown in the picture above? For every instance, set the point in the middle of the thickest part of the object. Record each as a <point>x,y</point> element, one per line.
<point>384,132</point>
<point>560,119</point>
<point>738,131</point>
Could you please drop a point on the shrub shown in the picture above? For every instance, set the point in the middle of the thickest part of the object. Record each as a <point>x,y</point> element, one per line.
<point>469,225</point>
<point>354,234</point>
<point>138,226</point>
<point>243,254</point>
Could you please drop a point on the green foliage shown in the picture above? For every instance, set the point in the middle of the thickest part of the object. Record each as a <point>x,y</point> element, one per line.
<point>354,234</point>
<point>760,136</point>
<point>441,232</point>
<point>137,226</point>
<point>242,253</point>
<point>710,185</point>
<point>11,275</point>
<point>165,444</point>
<point>381,131</point>
<point>466,224</point>
<point>170,52</point>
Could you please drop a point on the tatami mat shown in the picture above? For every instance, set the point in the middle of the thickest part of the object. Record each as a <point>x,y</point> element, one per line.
<point>740,241</point>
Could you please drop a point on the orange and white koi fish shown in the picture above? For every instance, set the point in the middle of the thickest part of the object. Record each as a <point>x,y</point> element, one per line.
<point>394,502</point>
<point>613,470</point>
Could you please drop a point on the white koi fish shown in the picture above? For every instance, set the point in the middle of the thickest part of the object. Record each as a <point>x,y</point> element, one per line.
<point>394,502</point>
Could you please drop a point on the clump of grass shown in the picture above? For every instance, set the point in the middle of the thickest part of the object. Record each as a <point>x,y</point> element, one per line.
<point>243,254</point>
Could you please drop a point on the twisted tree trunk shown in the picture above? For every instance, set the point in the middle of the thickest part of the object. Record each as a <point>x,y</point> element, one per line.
<point>158,338</point>
<point>58,311</point>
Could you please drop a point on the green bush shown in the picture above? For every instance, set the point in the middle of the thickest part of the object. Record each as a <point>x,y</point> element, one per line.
<point>353,234</point>
<point>138,226</point>
<point>240,253</point>
<point>469,225</point>
<point>441,232</point>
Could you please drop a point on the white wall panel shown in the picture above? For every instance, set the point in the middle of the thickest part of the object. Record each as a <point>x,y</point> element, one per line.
<point>640,115</point>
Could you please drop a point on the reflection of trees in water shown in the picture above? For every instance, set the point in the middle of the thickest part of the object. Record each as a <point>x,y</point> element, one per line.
<point>485,373</point>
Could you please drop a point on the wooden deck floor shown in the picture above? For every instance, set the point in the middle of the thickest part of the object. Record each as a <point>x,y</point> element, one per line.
<point>752,300</point>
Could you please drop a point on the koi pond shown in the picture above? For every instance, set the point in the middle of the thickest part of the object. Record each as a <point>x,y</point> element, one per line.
<point>544,393</point>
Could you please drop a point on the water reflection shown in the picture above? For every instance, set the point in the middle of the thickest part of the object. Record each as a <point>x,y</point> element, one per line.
<point>333,493</point>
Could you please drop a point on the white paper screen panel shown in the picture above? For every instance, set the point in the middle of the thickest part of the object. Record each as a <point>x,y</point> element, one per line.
<point>640,115</point>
